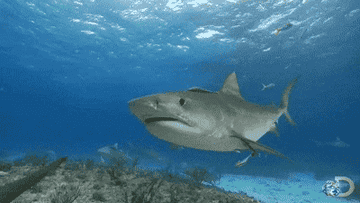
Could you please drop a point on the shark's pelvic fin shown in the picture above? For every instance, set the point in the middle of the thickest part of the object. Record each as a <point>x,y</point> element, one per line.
<point>285,101</point>
<point>231,86</point>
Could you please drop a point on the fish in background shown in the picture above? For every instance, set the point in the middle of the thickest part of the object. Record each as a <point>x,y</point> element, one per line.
<point>286,27</point>
<point>336,143</point>
<point>269,86</point>
<point>220,121</point>
<point>112,152</point>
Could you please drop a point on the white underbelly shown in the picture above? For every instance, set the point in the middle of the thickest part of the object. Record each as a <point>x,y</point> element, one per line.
<point>255,132</point>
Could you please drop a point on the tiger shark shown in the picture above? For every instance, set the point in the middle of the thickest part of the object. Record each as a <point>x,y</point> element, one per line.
<point>220,121</point>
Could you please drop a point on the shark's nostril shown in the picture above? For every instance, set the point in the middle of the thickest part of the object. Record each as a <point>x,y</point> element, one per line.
<point>153,103</point>
<point>156,103</point>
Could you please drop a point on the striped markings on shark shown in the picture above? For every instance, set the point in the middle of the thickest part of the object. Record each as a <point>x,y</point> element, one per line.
<point>220,121</point>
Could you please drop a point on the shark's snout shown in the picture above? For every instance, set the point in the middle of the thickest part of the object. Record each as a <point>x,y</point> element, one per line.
<point>151,102</point>
<point>153,110</point>
<point>142,107</point>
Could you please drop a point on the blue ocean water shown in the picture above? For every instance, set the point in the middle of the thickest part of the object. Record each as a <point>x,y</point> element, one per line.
<point>69,68</point>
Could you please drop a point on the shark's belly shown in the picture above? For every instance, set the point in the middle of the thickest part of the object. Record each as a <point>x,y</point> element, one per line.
<point>212,144</point>
<point>255,129</point>
<point>198,140</point>
<point>255,134</point>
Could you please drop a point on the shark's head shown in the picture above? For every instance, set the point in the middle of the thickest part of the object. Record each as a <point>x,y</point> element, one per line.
<point>175,115</point>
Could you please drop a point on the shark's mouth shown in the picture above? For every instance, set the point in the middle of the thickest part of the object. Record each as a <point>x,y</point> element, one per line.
<point>158,119</point>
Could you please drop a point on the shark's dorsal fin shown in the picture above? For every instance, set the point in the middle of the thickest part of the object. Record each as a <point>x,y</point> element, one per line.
<point>231,86</point>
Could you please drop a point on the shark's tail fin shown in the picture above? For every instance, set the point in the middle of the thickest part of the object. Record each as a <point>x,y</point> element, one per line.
<point>285,101</point>
<point>264,87</point>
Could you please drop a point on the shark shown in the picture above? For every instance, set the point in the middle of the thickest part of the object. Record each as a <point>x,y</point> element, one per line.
<point>220,121</point>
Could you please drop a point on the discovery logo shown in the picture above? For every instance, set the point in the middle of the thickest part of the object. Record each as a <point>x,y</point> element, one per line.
<point>332,189</point>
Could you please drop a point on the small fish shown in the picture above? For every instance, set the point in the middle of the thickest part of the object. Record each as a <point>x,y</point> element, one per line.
<point>287,26</point>
<point>245,161</point>
<point>269,86</point>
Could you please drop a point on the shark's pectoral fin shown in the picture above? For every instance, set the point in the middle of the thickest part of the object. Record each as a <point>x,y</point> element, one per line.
<point>255,147</point>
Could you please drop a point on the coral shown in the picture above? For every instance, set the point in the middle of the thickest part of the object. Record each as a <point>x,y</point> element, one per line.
<point>4,166</point>
<point>65,194</point>
<point>36,189</point>
<point>89,164</point>
<point>72,166</point>
<point>32,159</point>
<point>98,197</point>
<point>97,187</point>
<point>145,192</point>
<point>117,185</point>
<point>115,175</point>
<point>199,175</point>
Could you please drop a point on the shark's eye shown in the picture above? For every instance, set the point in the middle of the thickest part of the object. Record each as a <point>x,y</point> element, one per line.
<point>182,101</point>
